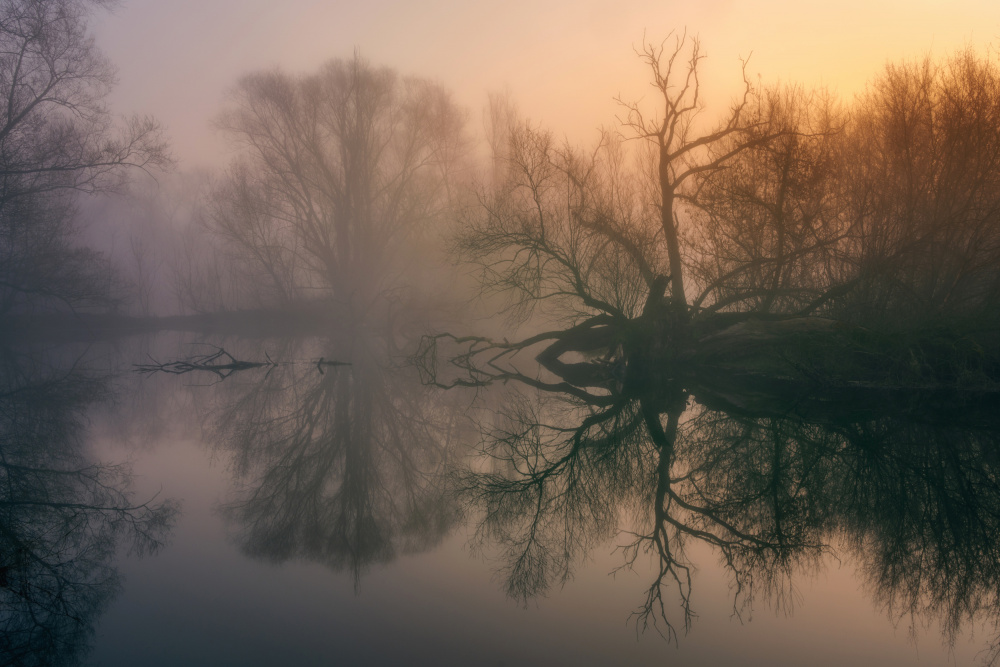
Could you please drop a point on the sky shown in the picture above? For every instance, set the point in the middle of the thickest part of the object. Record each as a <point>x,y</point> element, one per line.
<point>562,61</point>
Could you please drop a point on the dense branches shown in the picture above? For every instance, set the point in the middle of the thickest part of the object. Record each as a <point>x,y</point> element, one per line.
<point>561,227</point>
<point>920,183</point>
<point>338,170</point>
<point>766,266</point>
<point>683,155</point>
<point>57,138</point>
<point>769,226</point>
<point>884,215</point>
<point>593,230</point>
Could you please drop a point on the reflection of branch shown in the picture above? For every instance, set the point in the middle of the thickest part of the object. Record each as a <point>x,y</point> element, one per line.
<point>558,488</point>
<point>544,502</point>
<point>213,363</point>
<point>63,518</point>
<point>342,470</point>
<point>480,361</point>
<point>222,364</point>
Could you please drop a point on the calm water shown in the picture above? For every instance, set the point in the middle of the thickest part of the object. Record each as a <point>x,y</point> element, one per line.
<point>283,515</point>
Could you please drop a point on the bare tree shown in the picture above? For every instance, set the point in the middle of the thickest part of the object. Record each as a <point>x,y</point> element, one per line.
<point>684,154</point>
<point>57,138</point>
<point>595,235</point>
<point>743,417</point>
<point>920,183</point>
<point>339,169</point>
<point>769,229</point>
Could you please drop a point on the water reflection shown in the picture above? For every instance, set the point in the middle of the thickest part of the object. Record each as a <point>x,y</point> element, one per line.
<point>920,506</point>
<point>344,465</point>
<point>63,516</point>
<point>907,484</point>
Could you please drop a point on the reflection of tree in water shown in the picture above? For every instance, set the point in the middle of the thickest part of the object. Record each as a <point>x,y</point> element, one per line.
<point>553,492</point>
<point>341,467</point>
<point>343,174</point>
<point>912,493</point>
<point>921,507</point>
<point>772,269</point>
<point>62,516</point>
<point>557,489</point>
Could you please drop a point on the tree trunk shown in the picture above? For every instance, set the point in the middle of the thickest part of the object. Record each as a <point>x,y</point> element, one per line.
<point>677,296</point>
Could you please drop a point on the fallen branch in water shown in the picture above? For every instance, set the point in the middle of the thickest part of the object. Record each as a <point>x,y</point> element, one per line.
<point>221,363</point>
<point>323,362</point>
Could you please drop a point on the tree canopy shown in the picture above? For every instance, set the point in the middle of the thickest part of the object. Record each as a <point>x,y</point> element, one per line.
<point>338,171</point>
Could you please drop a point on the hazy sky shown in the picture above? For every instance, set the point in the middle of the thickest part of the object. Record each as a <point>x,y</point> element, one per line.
<point>563,63</point>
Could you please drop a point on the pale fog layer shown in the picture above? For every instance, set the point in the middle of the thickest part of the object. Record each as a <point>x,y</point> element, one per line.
<point>405,381</point>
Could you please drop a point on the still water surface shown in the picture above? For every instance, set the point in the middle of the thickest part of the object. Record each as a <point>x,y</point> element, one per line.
<point>354,516</point>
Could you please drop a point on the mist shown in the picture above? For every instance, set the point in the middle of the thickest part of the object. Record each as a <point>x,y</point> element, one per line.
<point>332,295</point>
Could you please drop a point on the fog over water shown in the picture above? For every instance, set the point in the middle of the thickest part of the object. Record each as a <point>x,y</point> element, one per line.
<point>581,334</point>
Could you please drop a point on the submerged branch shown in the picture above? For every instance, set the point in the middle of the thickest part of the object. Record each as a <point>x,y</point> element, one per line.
<point>222,364</point>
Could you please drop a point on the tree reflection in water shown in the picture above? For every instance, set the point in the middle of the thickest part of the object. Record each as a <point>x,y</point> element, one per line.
<point>907,484</point>
<point>358,464</point>
<point>342,467</point>
<point>921,509</point>
<point>63,516</point>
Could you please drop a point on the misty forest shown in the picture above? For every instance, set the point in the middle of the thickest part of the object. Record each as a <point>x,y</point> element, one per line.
<point>717,352</point>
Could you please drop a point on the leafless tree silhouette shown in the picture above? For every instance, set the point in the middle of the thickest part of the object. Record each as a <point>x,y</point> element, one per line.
<point>57,138</point>
<point>338,172</point>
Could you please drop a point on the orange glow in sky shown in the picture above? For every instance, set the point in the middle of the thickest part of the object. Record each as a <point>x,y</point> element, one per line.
<point>563,62</point>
